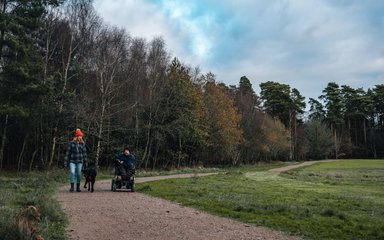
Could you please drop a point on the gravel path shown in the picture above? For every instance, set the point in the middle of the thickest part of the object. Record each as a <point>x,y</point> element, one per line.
<point>303,164</point>
<point>124,215</point>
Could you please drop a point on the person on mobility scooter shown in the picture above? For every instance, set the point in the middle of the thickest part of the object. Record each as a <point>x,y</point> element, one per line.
<point>124,171</point>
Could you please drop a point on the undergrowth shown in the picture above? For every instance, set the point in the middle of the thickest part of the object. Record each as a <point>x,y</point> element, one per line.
<point>20,190</point>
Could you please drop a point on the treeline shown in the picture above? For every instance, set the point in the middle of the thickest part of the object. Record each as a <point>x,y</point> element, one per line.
<point>342,123</point>
<point>62,68</point>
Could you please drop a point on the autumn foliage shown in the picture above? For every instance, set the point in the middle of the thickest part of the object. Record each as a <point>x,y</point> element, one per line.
<point>62,67</point>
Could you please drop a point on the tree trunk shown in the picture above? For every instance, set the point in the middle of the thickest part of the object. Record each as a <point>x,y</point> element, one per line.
<point>374,152</point>
<point>3,8</point>
<point>295,152</point>
<point>155,157</point>
<point>356,139</point>
<point>156,151</point>
<point>290,137</point>
<point>21,155</point>
<point>179,157</point>
<point>99,134</point>
<point>108,143</point>
<point>148,155</point>
<point>98,147</point>
<point>3,139</point>
<point>145,158</point>
<point>41,135</point>
<point>65,80</point>
<point>365,133</point>
<point>336,150</point>
<point>137,126</point>
<point>53,147</point>
<point>32,159</point>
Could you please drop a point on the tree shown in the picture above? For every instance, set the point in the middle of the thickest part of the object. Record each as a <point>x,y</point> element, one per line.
<point>316,110</point>
<point>357,104</point>
<point>319,138</point>
<point>68,30</point>
<point>178,131</point>
<point>22,85</point>
<point>274,136</point>
<point>285,104</point>
<point>224,134</point>
<point>277,100</point>
<point>248,105</point>
<point>245,87</point>
<point>334,111</point>
<point>376,112</point>
<point>157,62</point>
<point>110,56</point>
<point>297,108</point>
<point>378,97</point>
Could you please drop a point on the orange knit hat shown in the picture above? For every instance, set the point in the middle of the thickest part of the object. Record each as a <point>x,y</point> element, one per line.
<point>78,133</point>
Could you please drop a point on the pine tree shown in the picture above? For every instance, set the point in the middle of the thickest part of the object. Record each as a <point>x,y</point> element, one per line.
<point>178,130</point>
<point>334,112</point>
<point>277,100</point>
<point>21,69</point>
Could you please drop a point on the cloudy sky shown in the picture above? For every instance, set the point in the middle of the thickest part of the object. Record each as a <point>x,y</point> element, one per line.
<point>303,43</point>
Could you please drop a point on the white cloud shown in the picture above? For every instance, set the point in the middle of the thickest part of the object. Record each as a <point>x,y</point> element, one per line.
<point>131,15</point>
<point>303,43</point>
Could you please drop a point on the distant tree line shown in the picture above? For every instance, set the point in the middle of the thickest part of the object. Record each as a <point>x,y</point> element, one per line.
<point>62,68</point>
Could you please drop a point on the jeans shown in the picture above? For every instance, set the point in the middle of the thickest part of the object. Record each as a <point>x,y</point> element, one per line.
<point>72,168</point>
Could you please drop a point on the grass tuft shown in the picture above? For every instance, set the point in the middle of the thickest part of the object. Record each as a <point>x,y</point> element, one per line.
<point>145,188</point>
<point>37,188</point>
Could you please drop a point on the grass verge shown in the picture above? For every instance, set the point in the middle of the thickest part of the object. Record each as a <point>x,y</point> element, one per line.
<point>19,190</point>
<point>337,200</point>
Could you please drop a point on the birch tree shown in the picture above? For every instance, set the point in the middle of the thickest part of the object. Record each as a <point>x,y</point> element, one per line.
<point>109,59</point>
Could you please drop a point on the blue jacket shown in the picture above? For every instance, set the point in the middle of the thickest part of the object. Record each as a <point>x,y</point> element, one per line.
<point>129,160</point>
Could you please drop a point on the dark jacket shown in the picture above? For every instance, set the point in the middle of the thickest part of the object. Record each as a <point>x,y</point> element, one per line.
<point>76,153</point>
<point>129,160</point>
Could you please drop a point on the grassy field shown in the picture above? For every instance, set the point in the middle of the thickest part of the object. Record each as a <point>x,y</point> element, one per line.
<point>338,200</point>
<point>19,190</point>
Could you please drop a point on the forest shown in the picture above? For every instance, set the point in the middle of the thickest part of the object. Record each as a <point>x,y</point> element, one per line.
<point>62,67</point>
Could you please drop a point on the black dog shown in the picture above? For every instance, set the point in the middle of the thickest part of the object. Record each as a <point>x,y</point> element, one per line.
<point>90,174</point>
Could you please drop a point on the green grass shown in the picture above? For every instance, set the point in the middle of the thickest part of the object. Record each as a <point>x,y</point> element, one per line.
<point>257,167</point>
<point>19,190</point>
<point>107,173</point>
<point>338,200</point>
<point>144,173</point>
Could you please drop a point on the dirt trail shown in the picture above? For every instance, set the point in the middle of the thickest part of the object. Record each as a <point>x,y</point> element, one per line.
<point>124,215</point>
<point>287,168</point>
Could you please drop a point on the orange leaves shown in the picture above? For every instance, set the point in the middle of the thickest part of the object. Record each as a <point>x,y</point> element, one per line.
<point>223,122</point>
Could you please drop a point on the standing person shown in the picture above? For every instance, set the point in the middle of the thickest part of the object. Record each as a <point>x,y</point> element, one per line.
<point>77,156</point>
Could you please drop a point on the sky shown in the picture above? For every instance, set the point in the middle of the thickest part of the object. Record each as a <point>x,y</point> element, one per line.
<point>303,43</point>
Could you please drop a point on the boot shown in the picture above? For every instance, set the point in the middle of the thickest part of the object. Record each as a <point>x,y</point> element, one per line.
<point>78,187</point>
<point>71,189</point>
